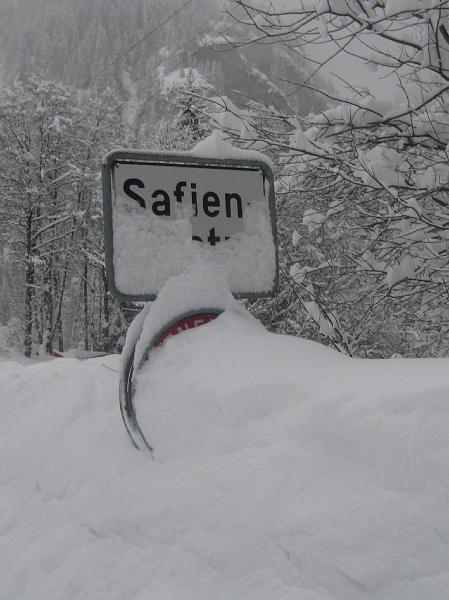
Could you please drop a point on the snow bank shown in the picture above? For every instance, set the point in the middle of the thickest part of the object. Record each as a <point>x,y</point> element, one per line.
<point>201,287</point>
<point>216,146</point>
<point>282,471</point>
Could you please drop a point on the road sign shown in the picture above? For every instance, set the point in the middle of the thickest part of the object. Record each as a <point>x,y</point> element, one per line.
<point>182,323</point>
<point>165,212</point>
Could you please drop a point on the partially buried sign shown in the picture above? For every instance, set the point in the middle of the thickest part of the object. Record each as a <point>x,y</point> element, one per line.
<point>166,212</point>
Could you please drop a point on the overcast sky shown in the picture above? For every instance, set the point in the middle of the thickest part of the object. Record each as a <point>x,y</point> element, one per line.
<point>355,71</point>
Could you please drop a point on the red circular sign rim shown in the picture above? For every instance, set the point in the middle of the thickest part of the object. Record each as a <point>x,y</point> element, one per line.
<point>184,324</point>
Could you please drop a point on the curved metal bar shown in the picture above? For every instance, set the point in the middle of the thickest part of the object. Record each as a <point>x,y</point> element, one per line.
<point>127,388</point>
<point>126,396</point>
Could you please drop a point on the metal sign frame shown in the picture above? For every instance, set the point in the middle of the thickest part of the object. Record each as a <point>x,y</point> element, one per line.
<point>181,160</point>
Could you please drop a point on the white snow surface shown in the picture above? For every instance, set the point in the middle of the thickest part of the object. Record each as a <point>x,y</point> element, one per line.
<point>216,146</point>
<point>282,470</point>
<point>200,288</point>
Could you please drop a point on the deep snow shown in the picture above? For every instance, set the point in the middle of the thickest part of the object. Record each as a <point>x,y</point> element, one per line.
<point>282,470</point>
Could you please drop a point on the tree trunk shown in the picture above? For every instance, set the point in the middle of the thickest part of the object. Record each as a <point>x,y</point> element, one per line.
<point>106,343</point>
<point>29,288</point>
<point>86,306</point>
<point>48,306</point>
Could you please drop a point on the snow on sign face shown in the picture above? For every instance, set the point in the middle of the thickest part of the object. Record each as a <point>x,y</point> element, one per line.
<point>165,213</point>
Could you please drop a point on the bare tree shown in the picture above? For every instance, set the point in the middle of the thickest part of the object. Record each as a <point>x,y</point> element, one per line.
<point>51,213</point>
<point>371,177</point>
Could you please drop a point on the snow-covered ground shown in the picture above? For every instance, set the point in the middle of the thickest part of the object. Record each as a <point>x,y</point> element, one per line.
<point>282,470</point>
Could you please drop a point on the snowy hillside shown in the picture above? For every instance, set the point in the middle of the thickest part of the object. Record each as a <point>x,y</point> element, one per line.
<point>282,470</point>
<point>85,43</point>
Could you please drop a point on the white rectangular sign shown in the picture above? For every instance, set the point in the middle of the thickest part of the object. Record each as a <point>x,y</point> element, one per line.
<point>164,212</point>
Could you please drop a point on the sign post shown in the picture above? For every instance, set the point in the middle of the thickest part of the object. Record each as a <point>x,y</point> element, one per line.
<point>164,213</point>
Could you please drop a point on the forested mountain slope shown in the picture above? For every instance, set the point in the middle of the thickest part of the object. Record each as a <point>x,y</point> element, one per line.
<point>78,42</point>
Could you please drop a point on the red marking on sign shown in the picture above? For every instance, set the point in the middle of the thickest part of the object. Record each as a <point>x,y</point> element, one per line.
<point>183,325</point>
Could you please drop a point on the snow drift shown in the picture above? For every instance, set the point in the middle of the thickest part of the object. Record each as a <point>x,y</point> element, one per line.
<point>282,470</point>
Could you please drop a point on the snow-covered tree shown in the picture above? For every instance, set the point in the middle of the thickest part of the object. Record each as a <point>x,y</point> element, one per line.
<point>50,206</point>
<point>371,180</point>
<point>35,124</point>
<point>186,119</point>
